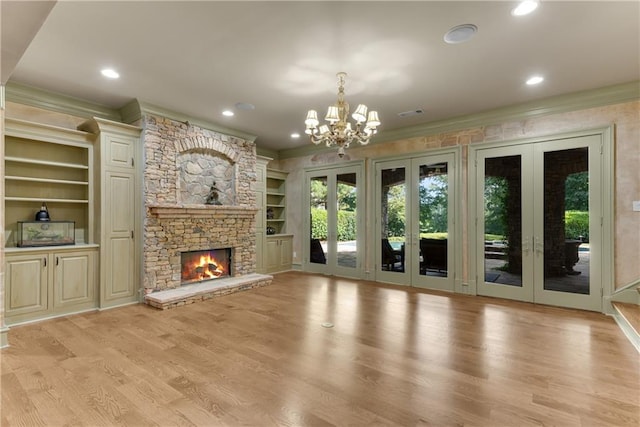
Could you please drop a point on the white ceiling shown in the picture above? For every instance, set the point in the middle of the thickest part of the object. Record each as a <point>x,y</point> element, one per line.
<point>199,58</point>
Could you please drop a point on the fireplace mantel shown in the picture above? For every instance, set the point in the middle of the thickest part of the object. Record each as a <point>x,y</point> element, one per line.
<point>202,211</point>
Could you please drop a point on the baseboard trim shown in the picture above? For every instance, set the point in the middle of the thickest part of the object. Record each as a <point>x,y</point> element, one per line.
<point>55,316</point>
<point>4,337</point>
<point>628,293</point>
<point>627,330</point>
<point>124,304</point>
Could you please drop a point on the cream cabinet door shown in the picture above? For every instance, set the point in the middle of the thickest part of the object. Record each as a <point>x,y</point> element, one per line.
<point>260,232</point>
<point>286,252</point>
<point>120,151</point>
<point>118,245</point>
<point>278,253</point>
<point>26,281</point>
<point>260,190</point>
<point>260,262</point>
<point>74,282</point>
<point>272,255</point>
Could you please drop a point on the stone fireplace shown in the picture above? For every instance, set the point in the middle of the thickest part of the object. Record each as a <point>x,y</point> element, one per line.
<point>182,163</point>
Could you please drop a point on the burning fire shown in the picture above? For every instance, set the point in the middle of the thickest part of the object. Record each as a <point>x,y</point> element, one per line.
<point>204,267</point>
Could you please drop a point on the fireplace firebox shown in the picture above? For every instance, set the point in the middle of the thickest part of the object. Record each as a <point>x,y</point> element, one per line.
<point>210,264</point>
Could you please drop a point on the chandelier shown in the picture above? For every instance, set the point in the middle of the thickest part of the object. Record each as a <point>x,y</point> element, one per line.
<point>339,131</point>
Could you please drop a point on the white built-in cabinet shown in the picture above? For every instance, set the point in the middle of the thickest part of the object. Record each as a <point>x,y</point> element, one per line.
<point>260,188</point>
<point>279,244</point>
<point>88,176</point>
<point>52,165</point>
<point>45,282</point>
<point>273,245</point>
<point>278,252</point>
<point>118,228</point>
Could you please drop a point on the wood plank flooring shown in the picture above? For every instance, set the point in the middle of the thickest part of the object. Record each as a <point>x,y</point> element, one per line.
<point>396,356</point>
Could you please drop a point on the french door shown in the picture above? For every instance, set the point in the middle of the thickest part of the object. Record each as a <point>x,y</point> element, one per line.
<point>538,215</point>
<point>415,233</point>
<point>333,223</point>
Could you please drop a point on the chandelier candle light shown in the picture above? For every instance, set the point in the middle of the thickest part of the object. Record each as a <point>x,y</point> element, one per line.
<point>339,131</point>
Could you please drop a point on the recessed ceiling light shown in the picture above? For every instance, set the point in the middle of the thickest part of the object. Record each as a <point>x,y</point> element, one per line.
<point>228,113</point>
<point>245,106</point>
<point>460,33</point>
<point>534,80</point>
<point>110,73</point>
<point>295,135</point>
<point>525,7</point>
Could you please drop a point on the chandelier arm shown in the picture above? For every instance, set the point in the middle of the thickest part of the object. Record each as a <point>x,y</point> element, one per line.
<point>363,139</point>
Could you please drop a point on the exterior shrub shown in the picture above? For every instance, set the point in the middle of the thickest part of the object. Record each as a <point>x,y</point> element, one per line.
<point>346,225</point>
<point>576,225</point>
<point>318,224</point>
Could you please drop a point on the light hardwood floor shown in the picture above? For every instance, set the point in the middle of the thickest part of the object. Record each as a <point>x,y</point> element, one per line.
<point>396,356</point>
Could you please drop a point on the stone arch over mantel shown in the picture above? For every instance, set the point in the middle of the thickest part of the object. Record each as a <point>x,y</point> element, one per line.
<point>200,142</point>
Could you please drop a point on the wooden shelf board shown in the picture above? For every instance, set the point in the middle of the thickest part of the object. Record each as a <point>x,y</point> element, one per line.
<point>45,180</point>
<point>45,162</point>
<point>48,200</point>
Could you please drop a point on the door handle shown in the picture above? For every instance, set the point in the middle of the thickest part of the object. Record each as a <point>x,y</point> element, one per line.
<point>539,246</point>
<point>526,245</point>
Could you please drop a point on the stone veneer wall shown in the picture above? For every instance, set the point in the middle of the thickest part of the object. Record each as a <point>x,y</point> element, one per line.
<point>165,141</point>
<point>198,171</point>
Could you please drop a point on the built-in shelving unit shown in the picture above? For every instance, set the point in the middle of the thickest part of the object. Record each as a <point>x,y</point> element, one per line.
<point>52,165</point>
<point>278,245</point>
<point>275,204</point>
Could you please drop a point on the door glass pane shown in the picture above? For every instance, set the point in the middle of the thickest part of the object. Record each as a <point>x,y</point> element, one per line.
<point>503,220</point>
<point>318,209</point>
<point>433,216</point>
<point>393,218</point>
<point>566,220</point>
<point>347,224</point>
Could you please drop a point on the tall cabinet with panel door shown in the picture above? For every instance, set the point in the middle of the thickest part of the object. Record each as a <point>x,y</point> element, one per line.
<point>260,188</point>
<point>118,224</point>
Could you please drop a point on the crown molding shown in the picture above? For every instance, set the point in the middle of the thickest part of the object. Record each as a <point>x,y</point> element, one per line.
<point>134,110</point>
<point>129,113</point>
<point>608,95</point>
<point>39,98</point>
<point>265,152</point>
<point>145,108</point>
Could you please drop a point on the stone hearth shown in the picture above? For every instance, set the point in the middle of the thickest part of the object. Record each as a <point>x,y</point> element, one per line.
<point>195,292</point>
